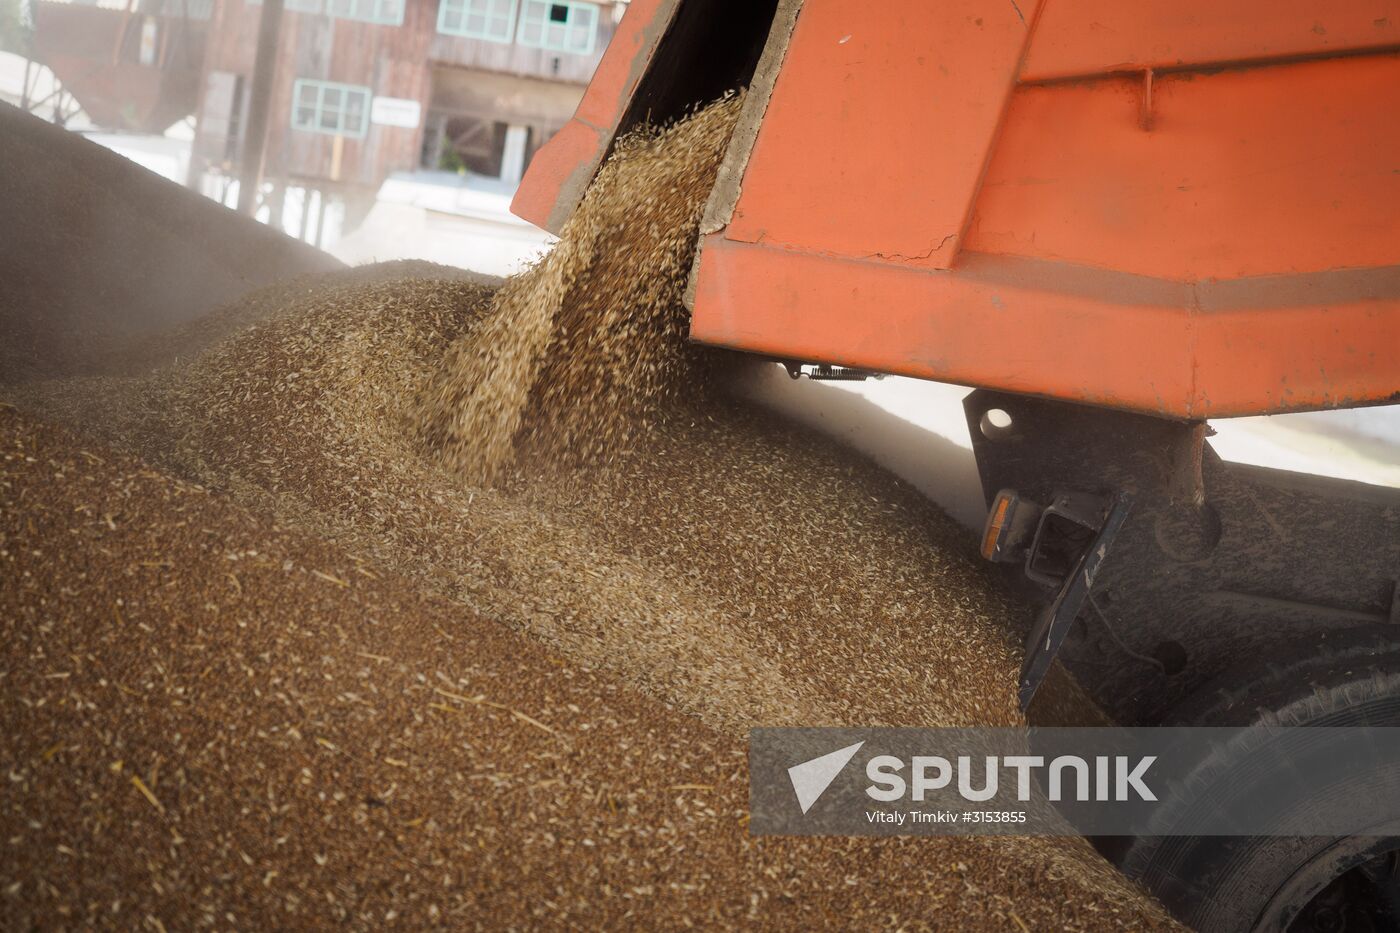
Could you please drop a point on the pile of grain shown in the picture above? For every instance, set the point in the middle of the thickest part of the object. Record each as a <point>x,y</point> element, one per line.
<point>214,722</point>
<point>309,416</point>
<point>736,566</point>
<point>728,564</point>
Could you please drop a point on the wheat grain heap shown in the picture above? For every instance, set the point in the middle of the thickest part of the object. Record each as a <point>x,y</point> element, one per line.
<point>553,456</point>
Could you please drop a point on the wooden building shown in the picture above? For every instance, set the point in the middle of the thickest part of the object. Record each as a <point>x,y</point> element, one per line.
<point>364,88</point>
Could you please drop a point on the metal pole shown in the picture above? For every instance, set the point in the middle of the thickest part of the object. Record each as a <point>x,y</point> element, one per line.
<point>259,104</point>
<point>24,91</point>
<point>320,217</point>
<point>305,229</point>
<point>277,205</point>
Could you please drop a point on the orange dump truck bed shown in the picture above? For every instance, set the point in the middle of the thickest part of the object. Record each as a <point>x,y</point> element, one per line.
<point>1189,208</point>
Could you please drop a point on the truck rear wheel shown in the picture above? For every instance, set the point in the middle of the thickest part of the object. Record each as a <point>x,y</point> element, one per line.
<point>1224,883</point>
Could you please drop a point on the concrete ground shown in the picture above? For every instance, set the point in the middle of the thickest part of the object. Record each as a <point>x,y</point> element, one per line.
<point>445,218</point>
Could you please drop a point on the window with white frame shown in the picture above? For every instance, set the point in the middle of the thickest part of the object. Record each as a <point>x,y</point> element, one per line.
<point>387,12</point>
<point>492,20</point>
<point>558,25</point>
<point>327,107</point>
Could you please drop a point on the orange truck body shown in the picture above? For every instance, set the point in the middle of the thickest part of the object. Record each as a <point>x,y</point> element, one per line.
<point>1188,208</point>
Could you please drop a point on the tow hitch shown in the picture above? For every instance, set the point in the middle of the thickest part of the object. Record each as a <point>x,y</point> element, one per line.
<point>1061,546</point>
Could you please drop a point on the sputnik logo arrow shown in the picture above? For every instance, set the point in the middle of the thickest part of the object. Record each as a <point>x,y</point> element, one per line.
<point>811,778</point>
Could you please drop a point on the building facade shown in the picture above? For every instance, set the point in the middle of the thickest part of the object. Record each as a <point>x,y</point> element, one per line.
<point>366,88</point>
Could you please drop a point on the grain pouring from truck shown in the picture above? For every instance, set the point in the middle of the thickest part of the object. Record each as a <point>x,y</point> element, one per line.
<point>1115,222</point>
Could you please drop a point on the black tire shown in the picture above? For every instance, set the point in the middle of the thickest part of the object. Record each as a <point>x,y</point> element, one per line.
<point>1224,883</point>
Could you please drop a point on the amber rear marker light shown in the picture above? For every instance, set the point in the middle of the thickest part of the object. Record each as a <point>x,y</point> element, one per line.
<point>997,523</point>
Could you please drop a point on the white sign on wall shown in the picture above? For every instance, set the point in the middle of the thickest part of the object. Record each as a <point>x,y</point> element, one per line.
<point>396,111</point>
<point>148,41</point>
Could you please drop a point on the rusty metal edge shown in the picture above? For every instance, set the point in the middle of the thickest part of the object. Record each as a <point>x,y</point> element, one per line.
<point>719,208</point>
